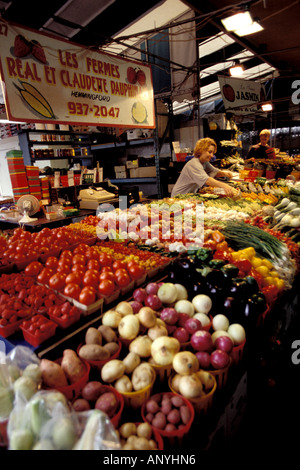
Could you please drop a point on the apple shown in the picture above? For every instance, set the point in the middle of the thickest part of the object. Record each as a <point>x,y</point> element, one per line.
<point>139,294</point>
<point>224,343</point>
<point>152,288</point>
<point>203,359</point>
<point>201,340</point>
<point>153,302</point>
<point>181,334</point>
<point>169,315</point>
<point>219,359</point>
<point>192,324</point>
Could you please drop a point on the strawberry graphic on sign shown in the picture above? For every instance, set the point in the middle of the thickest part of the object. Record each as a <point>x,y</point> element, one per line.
<point>23,47</point>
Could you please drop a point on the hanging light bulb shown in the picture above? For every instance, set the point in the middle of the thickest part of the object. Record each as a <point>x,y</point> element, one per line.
<point>237,69</point>
<point>267,107</point>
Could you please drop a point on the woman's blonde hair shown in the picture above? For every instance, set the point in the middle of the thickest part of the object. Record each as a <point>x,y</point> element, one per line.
<point>265,132</point>
<point>202,145</point>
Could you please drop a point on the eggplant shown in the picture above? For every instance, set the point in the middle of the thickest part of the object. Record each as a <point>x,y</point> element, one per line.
<point>230,270</point>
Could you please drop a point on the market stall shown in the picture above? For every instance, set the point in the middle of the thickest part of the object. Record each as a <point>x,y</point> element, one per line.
<point>146,331</point>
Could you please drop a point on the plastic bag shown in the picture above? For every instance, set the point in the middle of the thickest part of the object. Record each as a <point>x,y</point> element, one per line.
<point>19,375</point>
<point>48,422</point>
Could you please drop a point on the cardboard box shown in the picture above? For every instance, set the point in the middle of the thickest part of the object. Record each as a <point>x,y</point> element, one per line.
<point>143,172</point>
<point>120,168</point>
<point>132,164</point>
<point>121,174</point>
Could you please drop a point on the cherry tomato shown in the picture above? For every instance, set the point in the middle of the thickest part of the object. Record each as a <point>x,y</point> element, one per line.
<point>105,259</point>
<point>78,268</point>
<point>87,295</point>
<point>106,287</point>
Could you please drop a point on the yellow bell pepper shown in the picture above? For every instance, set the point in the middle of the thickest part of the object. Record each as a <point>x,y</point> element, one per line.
<point>263,270</point>
<point>256,262</point>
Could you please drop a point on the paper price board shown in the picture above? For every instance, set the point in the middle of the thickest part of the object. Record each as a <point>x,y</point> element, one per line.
<point>48,80</point>
<point>241,96</point>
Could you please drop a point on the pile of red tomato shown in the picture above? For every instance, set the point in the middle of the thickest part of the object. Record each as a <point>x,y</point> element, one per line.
<point>23,244</point>
<point>85,274</point>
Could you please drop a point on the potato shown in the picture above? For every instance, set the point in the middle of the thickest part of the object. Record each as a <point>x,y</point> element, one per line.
<point>112,370</point>
<point>111,347</point>
<point>159,421</point>
<point>166,406</point>
<point>142,376</point>
<point>108,334</point>
<point>131,361</point>
<point>127,429</point>
<point>107,402</point>
<point>177,401</point>
<point>185,414</point>
<point>170,427</point>
<point>174,416</point>
<point>128,446</point>
<point>93,336</point>
<point>144,430</point>
<point>152,444</point>
<point>80,404</point>
<point>123,384</point>
<point>93,352</point>
<point>152,406</point>
<point>141,443</point>
<point>72,366</point>
<point>92,390</point>
<point>52,374</point>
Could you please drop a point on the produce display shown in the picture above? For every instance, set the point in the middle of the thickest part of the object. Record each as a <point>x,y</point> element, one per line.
<point>174,313</point>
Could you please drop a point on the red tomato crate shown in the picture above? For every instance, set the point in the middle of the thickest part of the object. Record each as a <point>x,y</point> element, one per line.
<point>68,322</point>
<point>38,337</point>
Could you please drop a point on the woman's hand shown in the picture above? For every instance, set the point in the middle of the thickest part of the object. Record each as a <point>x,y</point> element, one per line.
<point>227,173</point>
<point>228,190</point>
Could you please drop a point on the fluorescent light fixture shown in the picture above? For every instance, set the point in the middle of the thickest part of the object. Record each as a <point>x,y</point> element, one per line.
<point>237,21</point>
<point>267,107</point>
<point>236,70</point>
<point>253,28</point>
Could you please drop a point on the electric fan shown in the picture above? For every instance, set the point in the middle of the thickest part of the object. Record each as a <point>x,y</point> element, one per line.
<point>28,205</point>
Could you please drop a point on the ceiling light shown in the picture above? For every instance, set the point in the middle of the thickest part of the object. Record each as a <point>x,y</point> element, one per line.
<point>267,107</point>
<point>236,70</point>
<point>253,28</point>
<point>237,21</point>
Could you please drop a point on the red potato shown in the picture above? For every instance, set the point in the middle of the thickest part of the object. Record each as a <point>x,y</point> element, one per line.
<point>152,406</point>
<point>107,403</point>
<point>177,401</point>
<point>174,416</point>
<point>92,390</point>
<point>170,427</point>
<point>81,405</point>
<point>185,414</point>
<point>149,417</point>
<point>166,406</point>
<point>159,421</point>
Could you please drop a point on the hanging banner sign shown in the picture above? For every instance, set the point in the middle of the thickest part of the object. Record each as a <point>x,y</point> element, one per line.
<point>48,80</point>
<point>241,96</point>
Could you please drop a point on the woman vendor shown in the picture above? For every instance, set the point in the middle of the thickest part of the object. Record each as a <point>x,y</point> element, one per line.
<point>262,149</point>
<point>198,172</point>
